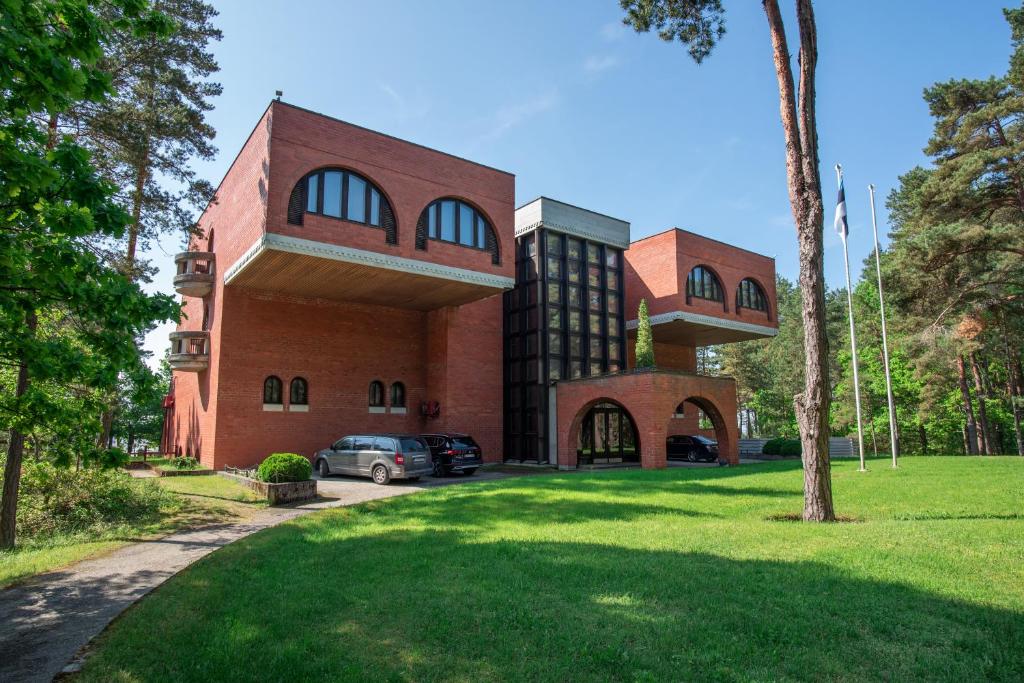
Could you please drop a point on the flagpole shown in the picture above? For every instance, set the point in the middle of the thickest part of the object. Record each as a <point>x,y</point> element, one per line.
<point>853,332</point>
<point>885,343</point>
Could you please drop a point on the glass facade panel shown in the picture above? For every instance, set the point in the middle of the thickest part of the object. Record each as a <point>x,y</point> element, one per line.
<point>613,326</point>
<point>575,346</point>
<point>555,318</point>
<point>574,321</point>
<point>575,369</point>
<point>554,244</point>
<point>596,368</point>
<point>611,257</point>
<point>374,207</point>
<point>595,324</point>
<point>594,276</point>
<point>574,296</point>
<point>595,300</point>
<point>613,280</point>
<point>432,222</point>
<point>554,293</point>
<point>467,232</point>
<point>332,193</point>
<point>448,221</point>
<point>596,349</point>
<point>356,199</point>
<point>574,272</point>
<point>574,249</point>
<point>481,233</point>
<point>613,302</point>
<point>555,342</point>
<point>554,268</point>
<point>312,193</point>
<point>614,350</point>
<point>593,253</point>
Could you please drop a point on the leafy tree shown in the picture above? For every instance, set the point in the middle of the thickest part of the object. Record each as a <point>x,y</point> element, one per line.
<point>644,340</point>
<point>53,203</point>
<point>699,24</point>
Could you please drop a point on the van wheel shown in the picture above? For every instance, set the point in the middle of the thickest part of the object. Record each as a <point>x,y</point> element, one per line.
<point>691,456</point>
<point>324,469</point>
<point>381,475</point>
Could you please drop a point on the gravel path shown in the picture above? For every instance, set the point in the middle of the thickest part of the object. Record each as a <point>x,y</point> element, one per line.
<point>48,619</point>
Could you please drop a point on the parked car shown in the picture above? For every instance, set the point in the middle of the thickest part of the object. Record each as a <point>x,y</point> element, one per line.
<point>454,453</point>
<point>382,457</point>
<point>692,448</point>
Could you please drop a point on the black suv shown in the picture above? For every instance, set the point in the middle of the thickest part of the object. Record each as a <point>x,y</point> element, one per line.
<point>454,453</point>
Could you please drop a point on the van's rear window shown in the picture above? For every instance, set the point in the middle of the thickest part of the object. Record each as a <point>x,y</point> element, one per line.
<point>413,445</point>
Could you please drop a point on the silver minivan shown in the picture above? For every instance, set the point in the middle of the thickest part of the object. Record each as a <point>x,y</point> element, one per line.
<point>382,457</point>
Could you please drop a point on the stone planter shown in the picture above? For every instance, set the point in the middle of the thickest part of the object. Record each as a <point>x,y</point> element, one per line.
<point>278,494</point>
<point>180,473</point>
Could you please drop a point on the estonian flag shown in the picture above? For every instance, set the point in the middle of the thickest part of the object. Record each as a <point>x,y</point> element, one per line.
<point>840,222</point>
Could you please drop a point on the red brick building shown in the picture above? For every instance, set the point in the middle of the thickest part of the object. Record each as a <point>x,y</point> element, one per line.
<point>347,281</point>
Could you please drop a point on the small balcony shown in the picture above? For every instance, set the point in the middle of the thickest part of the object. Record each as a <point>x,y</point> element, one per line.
<point>190,351</point>
<point>195,273</point>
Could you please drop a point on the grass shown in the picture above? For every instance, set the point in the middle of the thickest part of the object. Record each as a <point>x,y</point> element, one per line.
<point>625,575</point>
<point>201,500</point>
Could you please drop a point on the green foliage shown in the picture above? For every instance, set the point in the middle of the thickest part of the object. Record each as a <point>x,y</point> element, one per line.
<point>283,467</point>
<point>782,446</point>
<point>59,501</point>
<point>698,24</point>
<point>185,462</point>
<point>644,339</point>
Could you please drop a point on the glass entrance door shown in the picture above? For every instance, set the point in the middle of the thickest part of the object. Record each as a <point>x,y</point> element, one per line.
<point>607,436</point>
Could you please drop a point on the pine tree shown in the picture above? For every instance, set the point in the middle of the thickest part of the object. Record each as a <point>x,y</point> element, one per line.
<point>644,340</point>
<point>700,24</point>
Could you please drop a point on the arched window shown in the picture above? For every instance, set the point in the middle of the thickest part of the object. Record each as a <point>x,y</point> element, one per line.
<point>397,395</point>
<point>341,194</point>
<point>298,393</point>
<point>453,220</point>
<point>272,390</point>
<point>209,241</point>
<point>704,284</point>
<point>750,295</point>
<point>376,394</point>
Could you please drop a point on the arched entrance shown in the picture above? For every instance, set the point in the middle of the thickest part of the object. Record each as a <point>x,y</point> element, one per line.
<point>697,431</point>
<point>607,435</point>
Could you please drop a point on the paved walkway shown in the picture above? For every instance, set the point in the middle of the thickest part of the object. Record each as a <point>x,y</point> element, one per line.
<point>48,619</point>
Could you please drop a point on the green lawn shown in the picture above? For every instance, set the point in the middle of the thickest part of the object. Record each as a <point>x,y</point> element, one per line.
<point>623,575</point>
<point>202,500</point>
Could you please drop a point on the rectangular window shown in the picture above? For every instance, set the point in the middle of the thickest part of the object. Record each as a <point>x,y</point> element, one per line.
<point>595,324</point>
<point>613,326</point>
<point>555,318</point>
<point>332,193</point>
<point>466,230</point>
<point>612,279</point>
<point>574,321</point>
<point>554,267</point>
<point>575,369</point>
<point>611,257</point>
<point>555,369</point>
<point>613,303</point>
<point>574,296</point>
<point>594,276</point>
<point>596,349</point>
<point>554,293</point>
<point>554,244</point>
<point>356,199</point>
<point>575,346</point>
<point>614,350</point>
<point>432,222</point>
<point>595,300</point>
<point>574,272</point>
<point>448,221</point>
<point>374,207</point>
<point>595,368</point>
<point>573,248</point>
<point>481,233</point>
<point>555,342</point>
<point>531,344</point>
<point>593,253</point>
<point>312,193</point>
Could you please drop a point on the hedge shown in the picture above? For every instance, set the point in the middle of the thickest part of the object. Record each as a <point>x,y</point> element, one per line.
<point>782,446</point>
<point>284,467</point>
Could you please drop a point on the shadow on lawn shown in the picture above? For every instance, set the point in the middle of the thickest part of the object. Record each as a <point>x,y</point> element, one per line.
<point>443,605</point>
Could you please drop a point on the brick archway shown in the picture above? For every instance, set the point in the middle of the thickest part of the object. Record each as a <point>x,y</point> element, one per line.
<point>689,425</point>
<point>577,423</point>
<point>650,397</point>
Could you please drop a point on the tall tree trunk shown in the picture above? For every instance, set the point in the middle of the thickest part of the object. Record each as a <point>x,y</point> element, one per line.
<point>800,132</point>
<point>924,438</point>
<point>985,443</point>
<point>965,393</point>
<point>1013,390</point>
<point>15,453</point>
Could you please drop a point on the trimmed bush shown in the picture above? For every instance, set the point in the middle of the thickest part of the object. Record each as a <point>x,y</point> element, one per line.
<point>283,467</point>
<point>782,446</point>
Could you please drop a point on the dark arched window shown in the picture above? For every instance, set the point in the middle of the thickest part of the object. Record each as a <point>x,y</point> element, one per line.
<point>341,194</point>
<point>704,284</point>
<point>209,241</point>
<point>376,394</point>
<point>298,393</point>
<point>397,395</point>
<point>750,295</point>
<point>272,390</point>
<point>453,220</point>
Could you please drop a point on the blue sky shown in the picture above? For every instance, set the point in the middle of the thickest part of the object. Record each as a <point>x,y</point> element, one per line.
<point>582,109</point>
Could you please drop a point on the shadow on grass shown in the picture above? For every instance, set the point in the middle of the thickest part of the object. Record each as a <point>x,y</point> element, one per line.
<point>299,603</point>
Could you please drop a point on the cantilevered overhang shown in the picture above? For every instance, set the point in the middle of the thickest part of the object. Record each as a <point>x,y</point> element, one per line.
<point>289,265</point>
<point>694,329</point>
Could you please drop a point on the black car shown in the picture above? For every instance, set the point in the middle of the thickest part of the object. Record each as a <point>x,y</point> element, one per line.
<point>454,453</point>
<point>692,448</point>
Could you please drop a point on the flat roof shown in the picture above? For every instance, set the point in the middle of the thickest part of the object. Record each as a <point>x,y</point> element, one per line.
<point>704,237</point>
